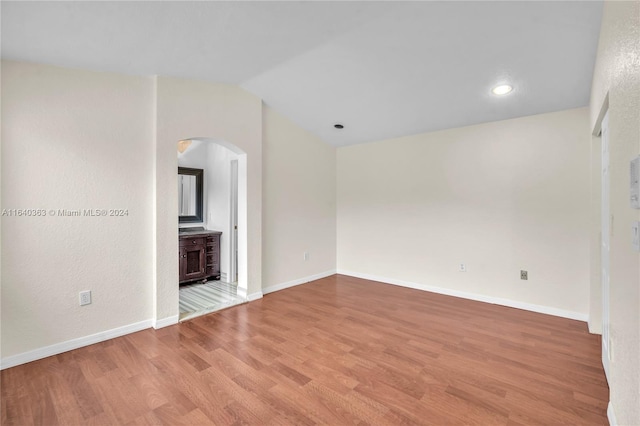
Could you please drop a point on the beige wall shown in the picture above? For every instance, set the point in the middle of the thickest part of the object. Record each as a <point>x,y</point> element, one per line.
<point>74,140</point>
<point>617,73</point>
<point>79,140</point>
<point>191,109</point>
<point>499,197</point>
<point>299,203</point>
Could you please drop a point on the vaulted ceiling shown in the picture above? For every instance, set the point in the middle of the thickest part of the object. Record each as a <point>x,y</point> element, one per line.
<point>382,69</point>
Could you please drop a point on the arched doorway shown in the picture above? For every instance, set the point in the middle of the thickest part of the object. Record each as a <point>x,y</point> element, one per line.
<point>224,210</point>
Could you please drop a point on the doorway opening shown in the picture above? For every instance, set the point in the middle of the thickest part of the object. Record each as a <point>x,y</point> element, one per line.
<point>213,249</point>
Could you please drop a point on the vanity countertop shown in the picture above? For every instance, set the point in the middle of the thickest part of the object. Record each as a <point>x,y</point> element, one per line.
<point>191,232</point>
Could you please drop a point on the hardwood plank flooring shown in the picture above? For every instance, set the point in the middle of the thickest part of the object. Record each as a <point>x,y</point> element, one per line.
<point>336,351</point>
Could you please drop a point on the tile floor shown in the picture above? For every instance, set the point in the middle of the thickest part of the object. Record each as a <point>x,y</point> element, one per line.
<point>199,299</point>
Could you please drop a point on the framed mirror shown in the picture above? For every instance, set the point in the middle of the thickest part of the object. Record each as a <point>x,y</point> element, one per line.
<point>190,195</point>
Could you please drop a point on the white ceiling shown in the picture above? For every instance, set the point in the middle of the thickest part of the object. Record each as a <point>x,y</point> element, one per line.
<point>383,69</point>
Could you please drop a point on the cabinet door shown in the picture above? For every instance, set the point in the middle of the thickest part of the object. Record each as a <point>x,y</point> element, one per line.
<point>193,262</point>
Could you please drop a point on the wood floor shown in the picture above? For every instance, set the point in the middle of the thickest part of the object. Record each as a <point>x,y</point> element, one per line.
<point>336,351</point>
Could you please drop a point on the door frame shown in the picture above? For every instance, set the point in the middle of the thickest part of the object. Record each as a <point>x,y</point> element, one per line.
<point>605,239</point>
<point>233,222</point>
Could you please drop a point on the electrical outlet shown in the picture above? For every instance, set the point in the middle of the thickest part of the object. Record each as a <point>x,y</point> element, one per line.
<point>306,255</point>
<point>524,275</point>
<point>463,267</point>
<point>85,297</point>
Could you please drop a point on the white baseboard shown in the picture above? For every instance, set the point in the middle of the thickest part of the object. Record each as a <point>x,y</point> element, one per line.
<point>165,322</point>
<point>241,292</point>
<point>611,415</point>
<point>58,348</point>
<point>223,277</point>
<point>473,296</point>
<point>292,283</point>
<point>594,327</point>
<point>254,296</point>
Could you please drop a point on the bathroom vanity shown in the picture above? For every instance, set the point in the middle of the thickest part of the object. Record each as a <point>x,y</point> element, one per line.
<point>199,254</point>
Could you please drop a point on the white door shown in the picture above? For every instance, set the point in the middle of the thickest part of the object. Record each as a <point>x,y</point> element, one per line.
<point>233,252</point>
<point>606,240</point>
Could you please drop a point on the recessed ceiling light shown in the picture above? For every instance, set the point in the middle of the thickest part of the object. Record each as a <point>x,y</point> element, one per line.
<point>503,89</point>
<point>338,126</point>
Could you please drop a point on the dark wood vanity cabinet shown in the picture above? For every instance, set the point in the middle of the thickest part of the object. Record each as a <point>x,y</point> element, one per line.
<point>199,256</point>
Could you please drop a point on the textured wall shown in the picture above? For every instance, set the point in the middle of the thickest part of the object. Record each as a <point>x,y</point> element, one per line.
<point>499,197</point>
<point>85,140</point>
<point>191,109</point>
<point>74,140</point>
<point>299,202</point>
<point>617,73</point>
